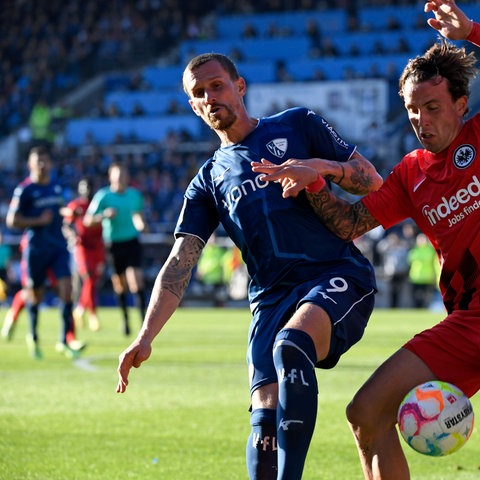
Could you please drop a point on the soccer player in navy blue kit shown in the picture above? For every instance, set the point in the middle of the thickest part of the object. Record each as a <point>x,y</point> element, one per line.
<point>35,208</point>
<point>310,294</point>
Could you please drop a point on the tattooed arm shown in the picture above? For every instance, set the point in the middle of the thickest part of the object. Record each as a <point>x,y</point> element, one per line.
<point>344,219</point>
<point>170,285</point>
<point>357,176</point>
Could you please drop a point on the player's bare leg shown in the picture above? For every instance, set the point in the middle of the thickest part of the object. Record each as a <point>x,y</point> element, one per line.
<point>18,304</point>
<point>78,316</point>
<point>372,415</point>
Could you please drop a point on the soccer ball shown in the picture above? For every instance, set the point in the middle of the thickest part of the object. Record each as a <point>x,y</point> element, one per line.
<point>435,418</point>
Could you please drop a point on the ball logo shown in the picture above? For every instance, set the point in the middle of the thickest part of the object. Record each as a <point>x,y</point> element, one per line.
<point>464,155</point>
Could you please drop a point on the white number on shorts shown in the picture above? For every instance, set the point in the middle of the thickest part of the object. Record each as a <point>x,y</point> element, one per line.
<point>338,284</point>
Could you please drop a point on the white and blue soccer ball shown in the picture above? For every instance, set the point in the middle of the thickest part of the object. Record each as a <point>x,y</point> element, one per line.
<point>435,418</point>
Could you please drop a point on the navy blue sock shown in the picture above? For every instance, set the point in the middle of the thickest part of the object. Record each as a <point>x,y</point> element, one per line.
<point>262,445</point>
<point>67,319</point>
<point>122,297</point>
<point>33,318</point>
<point>295,357</point>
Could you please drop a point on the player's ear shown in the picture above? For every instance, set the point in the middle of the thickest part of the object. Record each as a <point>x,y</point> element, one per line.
<point>242,86</point>
<point>462,105</point>
<point>192,104</point>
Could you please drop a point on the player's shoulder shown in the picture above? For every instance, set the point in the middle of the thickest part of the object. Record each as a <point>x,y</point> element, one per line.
<point>102,192</point>
<point>293,113</point>
<point>24,186</point>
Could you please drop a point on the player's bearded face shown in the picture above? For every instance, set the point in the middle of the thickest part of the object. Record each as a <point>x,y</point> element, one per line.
<point>214,96</point>
<point>223,121</point>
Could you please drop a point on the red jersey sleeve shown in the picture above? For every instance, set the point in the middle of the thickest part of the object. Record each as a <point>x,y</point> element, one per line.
<point>391,203</point>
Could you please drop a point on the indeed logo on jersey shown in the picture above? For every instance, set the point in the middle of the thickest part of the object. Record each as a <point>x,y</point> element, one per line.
<point>455,207</point>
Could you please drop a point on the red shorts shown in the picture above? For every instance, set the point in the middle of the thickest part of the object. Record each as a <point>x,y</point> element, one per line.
<point>91,262</point>
<point>451,349</point>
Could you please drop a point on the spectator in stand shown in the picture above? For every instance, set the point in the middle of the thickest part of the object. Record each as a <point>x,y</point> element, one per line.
<point>89,254</point>
<point>40,123</point>
<point>118,208</point>
<point>423,271</point>
<point>394,250</point>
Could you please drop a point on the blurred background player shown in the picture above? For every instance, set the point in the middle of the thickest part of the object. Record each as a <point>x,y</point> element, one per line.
<point>35,208</point>
<point>19,300</point>
<point>88,253</point>
<point>118,208</point>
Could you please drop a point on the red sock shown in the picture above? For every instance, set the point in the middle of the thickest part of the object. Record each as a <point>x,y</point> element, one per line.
<point>18,304</point>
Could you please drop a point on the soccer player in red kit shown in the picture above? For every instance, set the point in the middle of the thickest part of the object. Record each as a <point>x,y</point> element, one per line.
<point>89,253</point>
<point>438,187</point>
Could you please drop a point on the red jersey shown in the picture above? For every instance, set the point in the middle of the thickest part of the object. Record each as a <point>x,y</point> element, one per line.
<point>87,237</point>
<point>441,193</point>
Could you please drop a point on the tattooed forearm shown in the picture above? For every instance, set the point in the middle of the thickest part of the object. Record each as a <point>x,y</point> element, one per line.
<point>347,221</point>
<point>358,177</point>
<point>177,271</point>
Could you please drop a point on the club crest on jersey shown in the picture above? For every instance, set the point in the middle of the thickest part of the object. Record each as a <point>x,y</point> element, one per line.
<point>463,156</point>
<point>278,147</point>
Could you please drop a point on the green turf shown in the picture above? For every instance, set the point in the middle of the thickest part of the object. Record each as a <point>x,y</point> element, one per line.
<point>184,415</point>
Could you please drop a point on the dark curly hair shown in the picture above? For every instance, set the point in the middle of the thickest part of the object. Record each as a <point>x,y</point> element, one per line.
<point>446,60</point>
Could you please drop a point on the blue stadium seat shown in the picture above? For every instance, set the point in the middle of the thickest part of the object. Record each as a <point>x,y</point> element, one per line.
<point>133,129</point>
<point>376,18</point>
<point>253,49</point>
<point>159,77</point>
<point>257,72</point>
<point>330,22</point>
<point>151,102</point>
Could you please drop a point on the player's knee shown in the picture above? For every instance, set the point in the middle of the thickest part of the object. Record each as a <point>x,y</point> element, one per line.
<point>290,345</point>
<point>365,416</point>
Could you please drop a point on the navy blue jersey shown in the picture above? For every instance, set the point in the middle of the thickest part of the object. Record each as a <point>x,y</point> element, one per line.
<point>281,239</point>
<point>31,199</point>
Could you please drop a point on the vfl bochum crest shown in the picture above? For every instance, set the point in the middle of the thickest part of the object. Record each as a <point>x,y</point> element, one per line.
<point>464,155</point>
<point>278,147</point>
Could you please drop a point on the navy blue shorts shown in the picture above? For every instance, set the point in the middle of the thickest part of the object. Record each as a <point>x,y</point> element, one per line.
<point>348,304</point>
<point>40,260</point>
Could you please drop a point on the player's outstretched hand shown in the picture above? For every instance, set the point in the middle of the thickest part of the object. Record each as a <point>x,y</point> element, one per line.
<point>450,21</point>
<point>294,175</point>
<point>133,356</point>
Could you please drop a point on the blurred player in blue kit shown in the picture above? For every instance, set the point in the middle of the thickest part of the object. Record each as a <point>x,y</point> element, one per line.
<point>35,208</point>
<point>311,294</point>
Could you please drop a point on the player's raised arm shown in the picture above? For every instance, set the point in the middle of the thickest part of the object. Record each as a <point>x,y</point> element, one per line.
<point>346,220</point>
<point>170,285</point>
<point>450,20</point>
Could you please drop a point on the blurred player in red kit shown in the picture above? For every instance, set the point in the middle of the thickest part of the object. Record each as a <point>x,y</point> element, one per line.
<point>88,253</point>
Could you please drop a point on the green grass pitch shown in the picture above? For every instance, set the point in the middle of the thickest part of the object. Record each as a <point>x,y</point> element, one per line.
<point>185,413</point>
